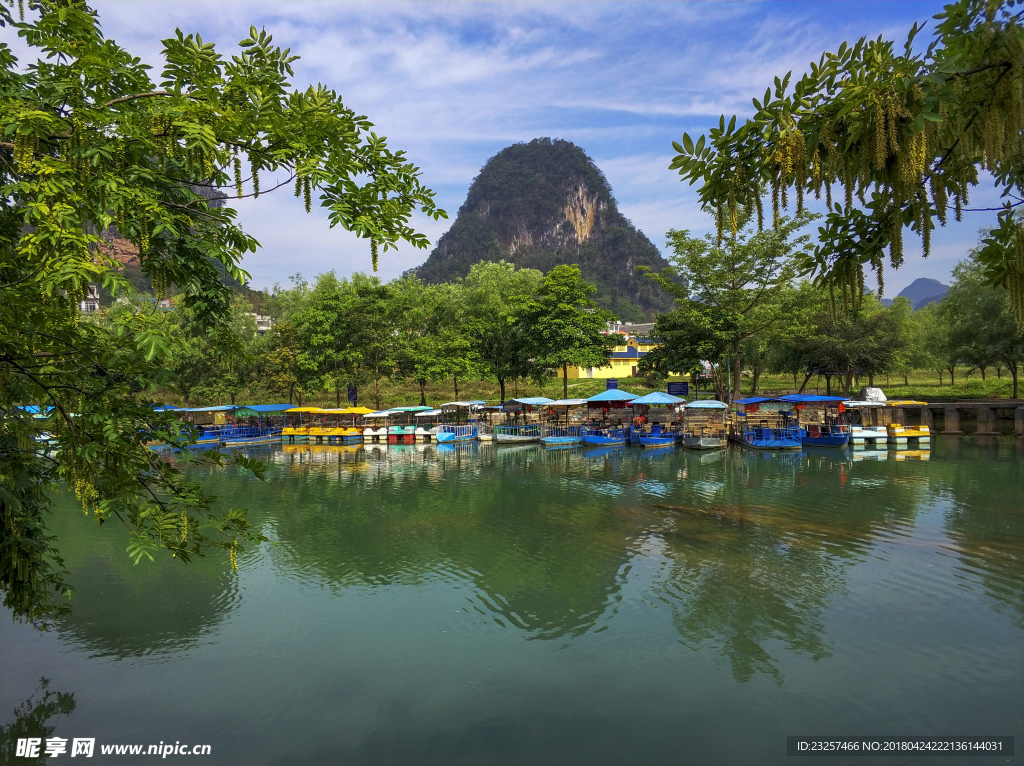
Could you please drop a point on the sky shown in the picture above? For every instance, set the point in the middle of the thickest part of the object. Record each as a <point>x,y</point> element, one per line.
<point>454,83</point>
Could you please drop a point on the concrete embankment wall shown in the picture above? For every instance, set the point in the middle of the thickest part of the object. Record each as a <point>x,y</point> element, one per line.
<point>954,418</point>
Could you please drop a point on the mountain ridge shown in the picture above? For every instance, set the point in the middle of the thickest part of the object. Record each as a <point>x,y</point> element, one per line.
<point>545,203</point>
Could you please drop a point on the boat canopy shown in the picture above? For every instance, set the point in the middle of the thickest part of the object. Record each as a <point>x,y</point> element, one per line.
<point>707,404</point>
<point>474,403</point>
<point>250,410</point>
<point>657,397</point>
<point>428,414</point>
<point>566,403</point>
<point>533,401</point>
<point>358,411</point>
<point>217,408</point>
<point>811,399</point>
<point>304,409</point>
<point>417,408</point>
<point>855,404</point>
<point>611,395</point>
<point>757,400</point>
<point>380,414</point>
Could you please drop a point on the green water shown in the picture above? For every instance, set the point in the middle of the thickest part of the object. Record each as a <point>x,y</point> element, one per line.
<point>482,605</point>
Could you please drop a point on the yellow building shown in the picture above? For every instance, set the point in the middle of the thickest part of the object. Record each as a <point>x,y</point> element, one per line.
<point>622,361</point>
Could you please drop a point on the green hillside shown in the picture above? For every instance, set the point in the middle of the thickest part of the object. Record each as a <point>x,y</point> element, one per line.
<point>546,203</point>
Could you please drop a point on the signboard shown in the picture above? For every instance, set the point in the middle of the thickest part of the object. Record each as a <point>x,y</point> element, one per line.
<point>611,383</point>
<point>352,394</point>
<point>679,389</point>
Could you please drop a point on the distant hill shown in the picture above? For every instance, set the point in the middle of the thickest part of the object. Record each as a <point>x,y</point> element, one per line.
<point>546,203</point>
<point>923,291</point>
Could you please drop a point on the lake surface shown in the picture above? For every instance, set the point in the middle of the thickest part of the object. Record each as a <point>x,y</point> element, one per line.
<point>510,605</point>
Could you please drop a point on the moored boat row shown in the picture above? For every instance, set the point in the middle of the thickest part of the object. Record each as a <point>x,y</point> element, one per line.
<point>611,418</point>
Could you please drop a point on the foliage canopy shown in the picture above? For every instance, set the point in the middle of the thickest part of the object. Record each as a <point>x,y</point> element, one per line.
<point>90,142</point>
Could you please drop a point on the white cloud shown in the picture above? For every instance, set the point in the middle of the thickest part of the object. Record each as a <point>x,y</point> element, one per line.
<point>453,83</point>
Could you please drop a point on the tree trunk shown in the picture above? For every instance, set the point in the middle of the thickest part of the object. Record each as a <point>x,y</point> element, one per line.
<point>376,392</point>
<point>455,379</point>
<point>423,393</point>
<point>757,377</point>
<point>1013,372</point>
<point>952,375</point>
<point>871,380</point>
<point>501,385</point>
<point>940,376</point>
<point>804,384</point>
<point>794,380</point>
<point>565,380</point>
<point>849,381</point>
<point>983,372</point>
<point>737,366</point>
<point>828,385</point>
<point>905,381</point>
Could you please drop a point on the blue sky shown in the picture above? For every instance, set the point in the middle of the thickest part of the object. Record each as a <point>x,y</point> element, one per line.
<point>454,83</point>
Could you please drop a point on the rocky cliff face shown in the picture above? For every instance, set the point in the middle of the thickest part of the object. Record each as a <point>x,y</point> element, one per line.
<point>546,203</point>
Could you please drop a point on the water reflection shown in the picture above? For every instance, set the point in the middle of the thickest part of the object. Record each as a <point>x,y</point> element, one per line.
<point>756,543</point>
<point>123,610</point>
<point>33,718</point>
<point>746,549</point>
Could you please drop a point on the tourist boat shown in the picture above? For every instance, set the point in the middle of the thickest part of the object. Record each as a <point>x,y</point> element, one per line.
<point>703,425</point>
<point>832,430</point>
<point>328,426</point>
<point>901,435</point>
<point>263,425</point>
<point>513,434</point>
<point>562,435</point>
<point>402,425</point>
<point>520,430</point>
<point>864,436</point>
<point>376,430</point>
<point>606,436</point>
<point>454,429</point>
<point>205,424</point>
<point>485,428</point>
<point>296,428</point>
<point>644,432</point>
<point>613,406</point>
<point>765,423</point>
<point>565,432</point>
<point>427,424</point>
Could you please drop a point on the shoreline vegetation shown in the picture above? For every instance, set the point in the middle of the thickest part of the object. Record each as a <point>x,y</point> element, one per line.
<point>923,386</point>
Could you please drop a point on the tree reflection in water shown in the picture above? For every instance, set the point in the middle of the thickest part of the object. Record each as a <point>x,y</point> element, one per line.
<point>32,720</point>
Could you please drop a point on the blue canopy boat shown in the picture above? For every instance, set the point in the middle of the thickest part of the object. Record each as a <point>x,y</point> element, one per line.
<point>832,431</point>
<point>456,431</point>
<point>560,434</point>
<point>606,436</point>
<point>644,434</point>
<point>608,432</point>
<point>518,432</point>
<point>263,425</point>
<point>766,423</point>
<point>704,425</point>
